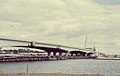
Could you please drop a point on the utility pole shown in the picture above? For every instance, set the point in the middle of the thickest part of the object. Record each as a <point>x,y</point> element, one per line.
<point>85,42</point>
<point>94,47</point>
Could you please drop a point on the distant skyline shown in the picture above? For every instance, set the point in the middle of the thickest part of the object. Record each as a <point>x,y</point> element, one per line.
<point>65,22</point>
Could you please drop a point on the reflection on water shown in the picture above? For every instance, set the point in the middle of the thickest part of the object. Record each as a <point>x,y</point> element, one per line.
<point>106,67</point>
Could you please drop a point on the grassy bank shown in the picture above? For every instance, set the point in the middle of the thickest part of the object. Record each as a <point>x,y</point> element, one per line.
<point>47,74</point>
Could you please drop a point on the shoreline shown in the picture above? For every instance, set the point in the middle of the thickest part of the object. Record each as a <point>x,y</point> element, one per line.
<point>47,74</point>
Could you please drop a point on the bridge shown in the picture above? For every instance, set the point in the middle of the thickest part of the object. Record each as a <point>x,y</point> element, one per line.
<point>51,48</point>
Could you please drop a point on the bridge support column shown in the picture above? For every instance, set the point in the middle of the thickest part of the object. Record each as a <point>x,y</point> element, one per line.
<point>54,53</point>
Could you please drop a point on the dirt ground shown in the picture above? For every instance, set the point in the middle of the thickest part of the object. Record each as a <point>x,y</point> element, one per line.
<point>47,74</point>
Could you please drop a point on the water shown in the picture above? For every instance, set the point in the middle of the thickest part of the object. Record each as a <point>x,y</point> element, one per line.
<point>77,66</point>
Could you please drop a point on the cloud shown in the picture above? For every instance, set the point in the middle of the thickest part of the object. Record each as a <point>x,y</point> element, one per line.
<point>7,28</point>
<point>108,2</point>
<point>65,20</point>
<point>83,20</point>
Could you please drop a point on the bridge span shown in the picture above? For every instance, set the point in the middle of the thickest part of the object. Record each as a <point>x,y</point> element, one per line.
<point>53,48</point>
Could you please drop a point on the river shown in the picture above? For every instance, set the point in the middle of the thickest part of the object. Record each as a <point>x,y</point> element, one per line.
<point>73,66</point>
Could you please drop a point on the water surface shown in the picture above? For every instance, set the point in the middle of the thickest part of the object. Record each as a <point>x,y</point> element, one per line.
<point>77,66</point>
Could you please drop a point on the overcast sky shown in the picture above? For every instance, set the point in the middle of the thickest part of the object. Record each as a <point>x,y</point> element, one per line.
<point>65,22</point>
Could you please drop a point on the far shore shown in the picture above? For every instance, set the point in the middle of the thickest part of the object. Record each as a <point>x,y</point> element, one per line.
<point>47,74</point>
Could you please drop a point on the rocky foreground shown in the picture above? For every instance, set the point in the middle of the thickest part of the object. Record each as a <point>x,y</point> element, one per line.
<point>47,74</point>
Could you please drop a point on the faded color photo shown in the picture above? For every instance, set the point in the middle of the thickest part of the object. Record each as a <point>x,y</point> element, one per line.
<point>59,37</point>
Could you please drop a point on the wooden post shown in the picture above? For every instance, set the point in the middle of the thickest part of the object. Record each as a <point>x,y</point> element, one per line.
<point>27,70</point>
